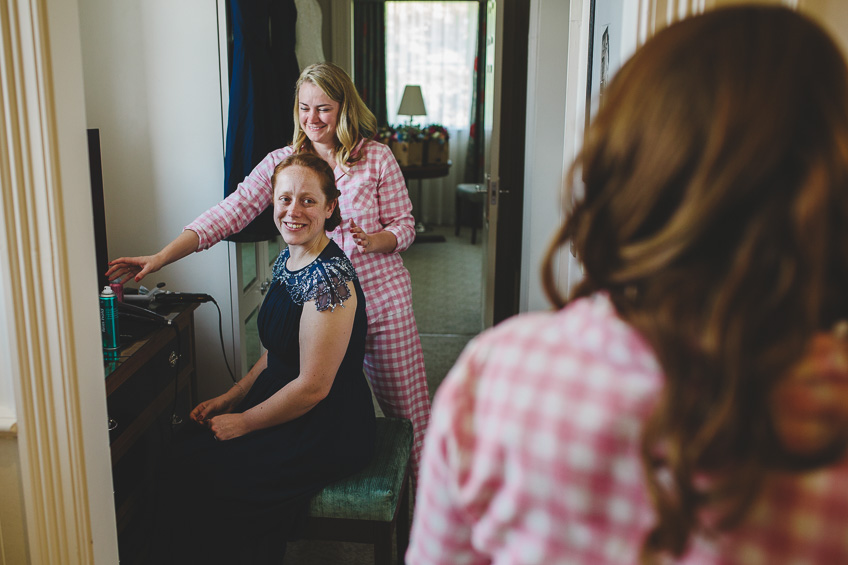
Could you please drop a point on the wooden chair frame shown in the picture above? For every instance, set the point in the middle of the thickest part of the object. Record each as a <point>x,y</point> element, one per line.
<point>378,533</point>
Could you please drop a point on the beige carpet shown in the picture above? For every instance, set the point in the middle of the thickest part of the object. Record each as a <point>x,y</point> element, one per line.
<point>447,298</point>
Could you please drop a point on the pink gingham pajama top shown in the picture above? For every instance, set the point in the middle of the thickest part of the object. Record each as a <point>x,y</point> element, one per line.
<point>532,457</point>
<point>374,194</point>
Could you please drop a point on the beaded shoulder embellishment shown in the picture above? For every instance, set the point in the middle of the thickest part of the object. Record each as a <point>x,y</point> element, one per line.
<point>324,281</point>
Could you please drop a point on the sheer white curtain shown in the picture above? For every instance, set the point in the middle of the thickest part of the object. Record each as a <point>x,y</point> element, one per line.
<point>433,44</point>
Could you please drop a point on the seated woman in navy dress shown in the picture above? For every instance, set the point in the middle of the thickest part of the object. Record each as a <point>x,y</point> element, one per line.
<point>303,416</point>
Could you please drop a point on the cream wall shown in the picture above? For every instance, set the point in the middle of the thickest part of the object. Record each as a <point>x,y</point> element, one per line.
<point>12,533</point>
<point>554,29</point>
<point>555,99</point>
<point>12,529</point>
<point>153,87</point>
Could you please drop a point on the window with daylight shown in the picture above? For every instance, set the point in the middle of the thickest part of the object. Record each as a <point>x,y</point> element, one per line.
<point>432,44</point>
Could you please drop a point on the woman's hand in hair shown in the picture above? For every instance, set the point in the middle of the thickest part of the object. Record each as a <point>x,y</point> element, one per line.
<point>379,242</point>
<point>810,405</point>
<point>363,242</point>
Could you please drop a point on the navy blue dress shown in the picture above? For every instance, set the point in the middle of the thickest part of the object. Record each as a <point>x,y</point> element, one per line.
<point>249,491</point>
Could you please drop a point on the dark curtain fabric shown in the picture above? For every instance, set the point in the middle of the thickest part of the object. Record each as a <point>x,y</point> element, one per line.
<point>369,53</point>
<point>263,76</point>
<point>475,158</point>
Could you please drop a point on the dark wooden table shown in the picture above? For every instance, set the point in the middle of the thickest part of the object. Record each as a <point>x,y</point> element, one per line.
<point>150,391</point>
<point>419,173</point>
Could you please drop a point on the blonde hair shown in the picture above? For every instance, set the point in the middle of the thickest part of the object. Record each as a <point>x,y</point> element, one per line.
<point>715,217</point>
<point>355,121</point>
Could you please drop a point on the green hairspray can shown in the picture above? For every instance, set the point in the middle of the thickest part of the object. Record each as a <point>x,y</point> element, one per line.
<point>109,322</point>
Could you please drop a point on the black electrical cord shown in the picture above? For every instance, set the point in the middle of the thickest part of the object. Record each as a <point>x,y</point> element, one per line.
<point>221,336</point>
<point>175,419</point>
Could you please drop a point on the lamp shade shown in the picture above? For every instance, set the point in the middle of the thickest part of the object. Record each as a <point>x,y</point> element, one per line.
<point>412,102</point>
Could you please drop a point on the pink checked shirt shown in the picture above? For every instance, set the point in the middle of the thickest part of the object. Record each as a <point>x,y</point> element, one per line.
<point>374,194</point>
<point>532,457</point>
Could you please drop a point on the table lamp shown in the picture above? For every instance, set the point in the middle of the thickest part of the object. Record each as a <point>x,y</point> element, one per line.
<point>412,102</point>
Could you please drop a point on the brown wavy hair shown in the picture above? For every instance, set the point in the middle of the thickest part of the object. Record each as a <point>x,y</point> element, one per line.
<point>715,215</point>
<point>326,178</point>
<point>355,121</point>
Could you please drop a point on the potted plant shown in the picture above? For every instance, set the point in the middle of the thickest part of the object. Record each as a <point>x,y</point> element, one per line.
<point>437,148</point>
<point>407,143</point>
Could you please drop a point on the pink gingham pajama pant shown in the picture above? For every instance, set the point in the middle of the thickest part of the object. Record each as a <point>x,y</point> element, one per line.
<point>375,196</point>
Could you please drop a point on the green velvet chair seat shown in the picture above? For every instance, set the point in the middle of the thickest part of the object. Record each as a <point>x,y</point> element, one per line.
<point>366,506</point>
<point>371,494</point>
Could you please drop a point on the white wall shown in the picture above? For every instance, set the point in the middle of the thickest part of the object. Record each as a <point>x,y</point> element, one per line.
<point>55,475</point>
<point>12,533</point>
<point>7,393</point>
<point>153,88</point>
<point>557,71</point>
<point>549,35</point>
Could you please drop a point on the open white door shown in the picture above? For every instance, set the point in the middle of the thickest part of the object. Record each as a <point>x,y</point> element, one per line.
<point>250,270</point>
<point>491,136</point>
<point>505,111</point>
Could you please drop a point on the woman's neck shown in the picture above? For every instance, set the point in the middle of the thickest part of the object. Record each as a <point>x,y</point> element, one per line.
<point>326,152</point>
<point>302,255</point>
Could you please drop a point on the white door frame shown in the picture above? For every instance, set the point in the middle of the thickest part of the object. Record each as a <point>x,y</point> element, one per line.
<point>491,136</point>
<point>244,300</point>
<point>58,417</point>
<point>247,299</point>
<point>556,107</point>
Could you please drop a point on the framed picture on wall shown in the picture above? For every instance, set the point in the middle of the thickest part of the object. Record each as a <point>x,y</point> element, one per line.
<point>612,35</point>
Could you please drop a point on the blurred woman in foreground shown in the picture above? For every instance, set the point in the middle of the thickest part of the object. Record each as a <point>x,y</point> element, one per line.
<point>688,402</point>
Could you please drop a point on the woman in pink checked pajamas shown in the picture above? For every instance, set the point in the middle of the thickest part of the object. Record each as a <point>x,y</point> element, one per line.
<point>689,402</point>
<point>332,121</point>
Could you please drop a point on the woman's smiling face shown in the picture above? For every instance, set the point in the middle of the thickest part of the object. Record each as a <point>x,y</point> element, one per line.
<point>300,206</point>
<point>319,114</point>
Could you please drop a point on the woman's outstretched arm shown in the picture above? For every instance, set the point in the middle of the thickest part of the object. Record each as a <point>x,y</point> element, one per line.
<point>124,268</point>
<point>227,217</point>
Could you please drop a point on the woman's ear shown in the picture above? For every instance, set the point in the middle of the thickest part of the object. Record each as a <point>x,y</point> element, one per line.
<point>332,207</point>
<point>810,403</point>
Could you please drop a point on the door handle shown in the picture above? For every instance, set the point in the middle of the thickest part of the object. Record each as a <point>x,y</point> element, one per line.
<point>263,288</point>
<point>493,188</point>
